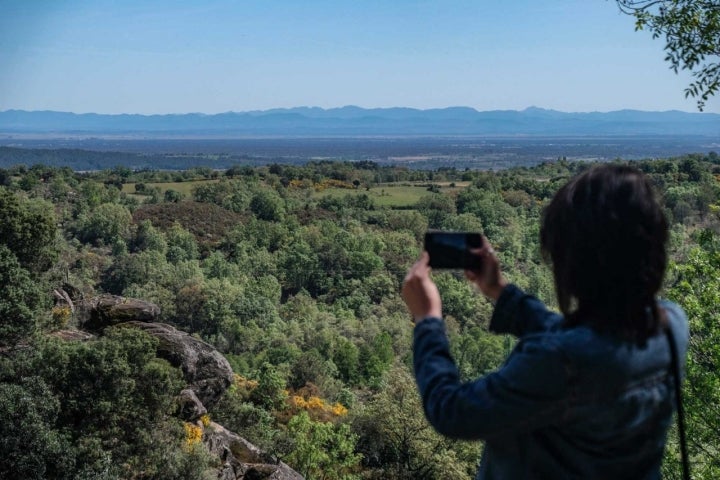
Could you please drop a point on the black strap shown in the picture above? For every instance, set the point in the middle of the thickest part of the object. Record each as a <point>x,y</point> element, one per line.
<point>678,401</point>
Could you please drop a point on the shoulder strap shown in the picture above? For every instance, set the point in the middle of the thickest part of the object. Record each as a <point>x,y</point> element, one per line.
<point>678,402</point>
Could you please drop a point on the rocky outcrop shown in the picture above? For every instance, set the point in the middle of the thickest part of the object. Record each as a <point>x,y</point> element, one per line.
<point>241,460</point>
<point>72,292</point>
<point>191,408</point>
<point>71,334</point>
<point>207,373</point>
<point>63,298</point>
<point>108,310</point>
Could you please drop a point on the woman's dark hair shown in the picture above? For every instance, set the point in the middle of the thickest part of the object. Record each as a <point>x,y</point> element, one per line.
<point>605,236</point>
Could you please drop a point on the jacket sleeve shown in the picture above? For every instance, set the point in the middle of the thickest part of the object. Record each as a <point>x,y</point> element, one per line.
<point>520,314</point>
<point>527,392</point>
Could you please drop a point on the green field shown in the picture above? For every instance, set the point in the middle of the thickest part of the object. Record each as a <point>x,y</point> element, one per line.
<point>393,194</point>
<point>401,194</point>
<point>185,188</point>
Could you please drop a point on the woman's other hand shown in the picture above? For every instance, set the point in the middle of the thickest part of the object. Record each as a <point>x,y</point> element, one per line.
<point>420,292</point>
<point>488,276</point>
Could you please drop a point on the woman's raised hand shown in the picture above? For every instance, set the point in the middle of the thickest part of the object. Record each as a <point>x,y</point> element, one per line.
<point>420,292</point>
<point>487,276</point>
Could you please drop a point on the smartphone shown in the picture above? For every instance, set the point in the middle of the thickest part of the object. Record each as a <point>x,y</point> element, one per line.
<point>452,249</point>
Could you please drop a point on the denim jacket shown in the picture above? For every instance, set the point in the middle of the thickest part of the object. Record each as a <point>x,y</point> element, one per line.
<point>567,403</point>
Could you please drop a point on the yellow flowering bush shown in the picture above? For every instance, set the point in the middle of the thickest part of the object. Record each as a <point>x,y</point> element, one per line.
<point>193,435</point>
<point>242,382</point>
<point>243,386</point>
<point>306,183</point>
<point>339,410</point>
<point>61,315</point>
<point>316,407</point>
<point>297,401</point>
<point>315,403</point>
<point>332,183</point>
<point>205,420</point>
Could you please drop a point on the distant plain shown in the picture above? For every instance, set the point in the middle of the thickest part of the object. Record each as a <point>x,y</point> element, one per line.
<point>413,152</point>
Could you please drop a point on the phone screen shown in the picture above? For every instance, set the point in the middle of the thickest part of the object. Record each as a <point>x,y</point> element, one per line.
<point>452,249</point>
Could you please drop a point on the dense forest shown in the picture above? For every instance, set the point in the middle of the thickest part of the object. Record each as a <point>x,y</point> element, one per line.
<point>292,272</point>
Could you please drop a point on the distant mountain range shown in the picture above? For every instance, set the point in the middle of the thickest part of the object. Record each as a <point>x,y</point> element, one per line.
<point>356,121</point>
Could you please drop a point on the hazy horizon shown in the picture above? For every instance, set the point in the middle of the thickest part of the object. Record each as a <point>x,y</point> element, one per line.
<point>339,107</point>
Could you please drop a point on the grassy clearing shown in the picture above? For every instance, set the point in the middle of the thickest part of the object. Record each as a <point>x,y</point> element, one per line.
<point>185,188</point>
<point>393,195</point>
<point>402,194</point>
<point>388,196</point>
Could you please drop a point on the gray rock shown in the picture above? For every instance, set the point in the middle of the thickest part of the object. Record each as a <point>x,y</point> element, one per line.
<point>72,291</point>
<point>108,310</point>
<point>191,408</point>
<point>206,371</point>
<point>241,460</point>
<point>62,298</point>
<point>72,334</point>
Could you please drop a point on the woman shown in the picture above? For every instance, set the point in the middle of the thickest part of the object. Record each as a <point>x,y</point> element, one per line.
<point>586,394</point>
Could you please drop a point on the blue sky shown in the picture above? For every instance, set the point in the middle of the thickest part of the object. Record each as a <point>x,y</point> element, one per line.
<point>126,56</point>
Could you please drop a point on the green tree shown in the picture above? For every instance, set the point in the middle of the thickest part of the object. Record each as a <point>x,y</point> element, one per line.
<point>181,244</point>
<point>270,392</point>
<point>32,447</point>
<point>267,205</point>
<point>20,300</point>
<point>697,289</point>
<point>382,348</point>
<point>691,29</point>
<point>346,358</point>
<point>115,401</point>
<point>436,207</point>
<point>494,214</point>
<point>321,450</point>
<point>93,194</point>
<point>173,196</point>
<point>309,367</point>
<point>206,305</point>
<point>147,237</point>
<point>217,266</point>
<point>29,182</point>
<point>5,178</point>
<point>397,442</point>
<point>409,220</point>
<point>105,223</point>
<point>300,267</point>
<point>27,229</point>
